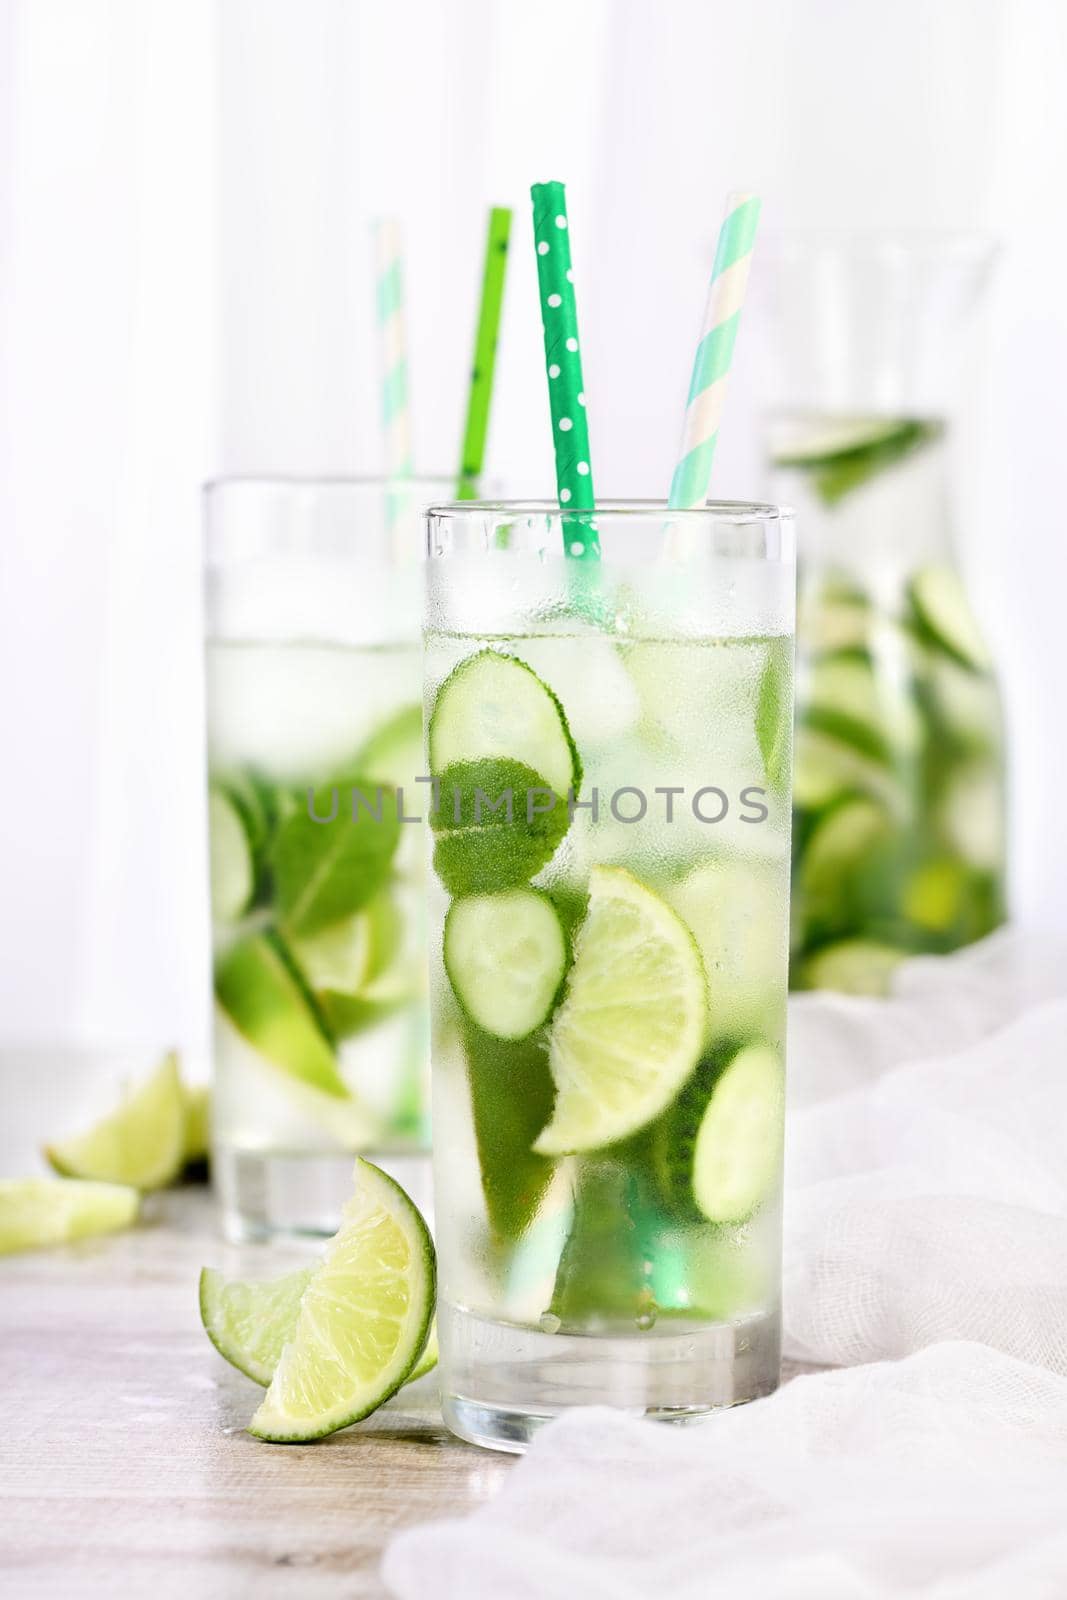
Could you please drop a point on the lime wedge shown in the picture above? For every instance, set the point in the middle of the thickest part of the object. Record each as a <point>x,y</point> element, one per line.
<point>141,1144</point>
<point>251,1322</point>
<point>632,1021</point>
<point>42,1211</point>
<point>363,1321</point>
<point>260,989</point>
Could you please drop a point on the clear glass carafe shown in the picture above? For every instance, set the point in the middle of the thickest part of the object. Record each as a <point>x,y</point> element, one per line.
<point>899,783</point>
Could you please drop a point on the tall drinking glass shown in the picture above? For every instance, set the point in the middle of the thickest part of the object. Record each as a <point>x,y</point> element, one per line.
<point>611,746</point>
<point>313,600</point>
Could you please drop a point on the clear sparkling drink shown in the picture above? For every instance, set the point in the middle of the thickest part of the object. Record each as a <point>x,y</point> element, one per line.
<point>313,676</point>
<point>610,745</point>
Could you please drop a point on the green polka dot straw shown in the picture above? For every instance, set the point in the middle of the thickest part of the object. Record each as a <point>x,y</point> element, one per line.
<point>563,365</point>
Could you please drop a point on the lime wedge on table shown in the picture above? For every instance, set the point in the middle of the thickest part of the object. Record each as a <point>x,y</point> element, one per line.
<point>142,1143</point>
<point>363,1321</point>
<point>251,1322</point>
<point>841,455</point>
<point>259,988</point>
<point>44,1211</point>
<point>632,1021</point>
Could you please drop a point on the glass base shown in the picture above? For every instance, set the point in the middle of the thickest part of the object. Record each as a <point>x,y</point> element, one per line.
<point>268,1194</point>
<point>501,1383</point>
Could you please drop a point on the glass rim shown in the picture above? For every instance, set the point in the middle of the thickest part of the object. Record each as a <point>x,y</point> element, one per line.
<point>723,511</point>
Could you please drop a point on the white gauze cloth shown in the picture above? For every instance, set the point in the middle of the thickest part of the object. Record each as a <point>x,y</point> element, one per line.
<point>926,1259</point>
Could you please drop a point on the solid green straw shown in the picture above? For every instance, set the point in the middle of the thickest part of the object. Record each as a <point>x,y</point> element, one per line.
<point>563,363</point>
<point>482,368</point>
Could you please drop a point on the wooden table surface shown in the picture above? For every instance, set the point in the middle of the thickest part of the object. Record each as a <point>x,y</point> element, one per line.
<point>124,1465</point>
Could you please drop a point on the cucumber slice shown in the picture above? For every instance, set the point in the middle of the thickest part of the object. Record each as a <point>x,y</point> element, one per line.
<point>826,768</point>
<point>839,841</point>
<point>496,707</point>
<point>833,617</point>
<point>945,617</point>
<point>852,966</point>
<point>233,871</point>
<point>719,1149</point>
<point>847,699</point>
<point>848,454</point>
<point>966,707</point>
<point>488,838</point>
<point>505,955</point>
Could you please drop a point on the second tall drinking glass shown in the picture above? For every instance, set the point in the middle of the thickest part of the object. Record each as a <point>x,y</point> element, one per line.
<point>610,741</point>
<point>314,743</point>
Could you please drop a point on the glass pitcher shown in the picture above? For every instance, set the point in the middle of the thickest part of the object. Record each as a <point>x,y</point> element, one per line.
<point>899,783</point>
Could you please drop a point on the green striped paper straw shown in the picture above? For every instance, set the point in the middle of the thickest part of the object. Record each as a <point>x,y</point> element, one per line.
<point>472,456</point>
<point>722,314</point>
<point>389,287</point>
<point>563,362</point>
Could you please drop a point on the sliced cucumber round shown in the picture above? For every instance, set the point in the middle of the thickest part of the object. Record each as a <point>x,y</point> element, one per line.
<point>494,706</point>
<point>505,955</point>
<point>233,870</point>
<point>843,455</point>
<point>849,699</point>
<point>945,616</point>
<point>839,841</point>
<point>972,814</point>
<point>719,1150</point>
<point>851,966</point>
<point>827,767</point>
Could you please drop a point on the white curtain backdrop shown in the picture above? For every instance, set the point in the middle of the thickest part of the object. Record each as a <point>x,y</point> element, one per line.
<point>185,188</point>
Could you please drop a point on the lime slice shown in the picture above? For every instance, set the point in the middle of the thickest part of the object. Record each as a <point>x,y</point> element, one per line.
<point>841,454</point>
<point>497,825</point>
<point>251,1322</point>
<point>326,870</point>
<point>364,1318</point>
<point>632,1021</point>
<point>43,1211</point>
<point>852,966</point>
<point>494,707</point>
<point>260,989</point>
<point>197,1142</point>
<point>141,1144</point>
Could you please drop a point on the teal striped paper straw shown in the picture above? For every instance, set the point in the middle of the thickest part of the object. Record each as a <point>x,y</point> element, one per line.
<point>483,366</point>
<point>389,286</point>
<point>563,364</point>
<point>711,368</point>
